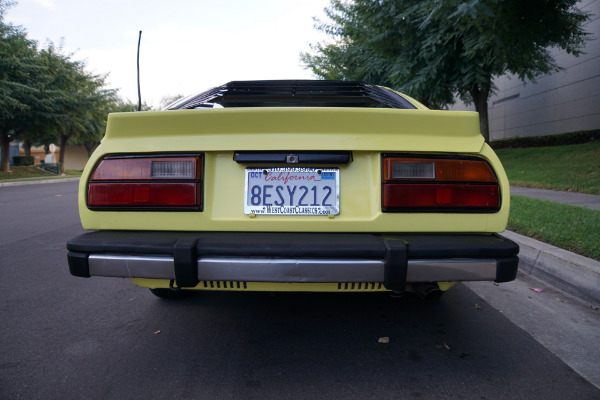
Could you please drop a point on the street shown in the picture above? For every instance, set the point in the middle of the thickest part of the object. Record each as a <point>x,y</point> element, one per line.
<point>104,338</point>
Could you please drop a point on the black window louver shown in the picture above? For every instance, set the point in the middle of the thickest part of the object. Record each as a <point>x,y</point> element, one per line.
<point>296,93</point>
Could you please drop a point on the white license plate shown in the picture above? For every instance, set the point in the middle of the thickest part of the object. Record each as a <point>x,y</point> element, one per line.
<point>292,191</point>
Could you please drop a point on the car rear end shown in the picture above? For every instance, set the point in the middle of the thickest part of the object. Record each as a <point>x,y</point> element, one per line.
<point>325,197</point>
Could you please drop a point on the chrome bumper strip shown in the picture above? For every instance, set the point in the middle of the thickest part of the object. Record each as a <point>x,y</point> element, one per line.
<point>292,270</point>
<point>132,266</point>
<point>286,270</point>
<point>451,270</point>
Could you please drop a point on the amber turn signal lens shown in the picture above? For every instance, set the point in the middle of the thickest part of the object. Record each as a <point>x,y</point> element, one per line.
<point>440,170</point>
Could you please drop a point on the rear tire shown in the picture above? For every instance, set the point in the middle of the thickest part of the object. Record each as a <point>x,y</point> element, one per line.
<point>169,293</point>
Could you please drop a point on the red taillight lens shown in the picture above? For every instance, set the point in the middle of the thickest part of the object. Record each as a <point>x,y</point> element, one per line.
<point>432,184</point>
<point>143,194</point>
<point>440,196</point>
<point>171,182</point>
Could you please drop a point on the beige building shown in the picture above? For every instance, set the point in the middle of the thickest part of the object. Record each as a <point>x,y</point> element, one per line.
<point>75,157</point>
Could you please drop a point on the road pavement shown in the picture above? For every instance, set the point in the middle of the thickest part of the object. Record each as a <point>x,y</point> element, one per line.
<point>98,338</point>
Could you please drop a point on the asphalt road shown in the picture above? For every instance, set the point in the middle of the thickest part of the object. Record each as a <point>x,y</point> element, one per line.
<point>101,338</point>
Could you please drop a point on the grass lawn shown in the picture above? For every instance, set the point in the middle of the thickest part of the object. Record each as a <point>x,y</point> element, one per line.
<point>569,227</point>
<point>33,173</point>
<point>573,167</point>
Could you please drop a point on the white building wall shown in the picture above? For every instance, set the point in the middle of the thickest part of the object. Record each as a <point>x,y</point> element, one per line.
<point>564,101</point>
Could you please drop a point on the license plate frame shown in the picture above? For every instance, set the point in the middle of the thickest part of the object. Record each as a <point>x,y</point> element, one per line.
<point>302,191</point>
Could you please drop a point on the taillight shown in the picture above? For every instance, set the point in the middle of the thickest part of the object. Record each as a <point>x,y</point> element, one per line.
<point>141,182</point>
<point>438,184</point>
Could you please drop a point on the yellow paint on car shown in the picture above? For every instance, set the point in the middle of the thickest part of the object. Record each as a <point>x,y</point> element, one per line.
<point>218,133</point>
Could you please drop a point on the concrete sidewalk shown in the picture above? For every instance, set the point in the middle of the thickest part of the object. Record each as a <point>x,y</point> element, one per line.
<point>591,201</point>
<point>36,181</point>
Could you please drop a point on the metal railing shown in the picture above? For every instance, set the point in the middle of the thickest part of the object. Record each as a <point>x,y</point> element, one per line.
<point>55,168</point>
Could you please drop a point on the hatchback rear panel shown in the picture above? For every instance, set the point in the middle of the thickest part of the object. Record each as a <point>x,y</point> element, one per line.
<point>366,134</point>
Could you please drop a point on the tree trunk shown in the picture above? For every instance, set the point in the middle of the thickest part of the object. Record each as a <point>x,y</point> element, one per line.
<point>63,149</point>
<point>27,147</point>
<point>89,147</point>
<point>480,99</point>
<point>5,145</point>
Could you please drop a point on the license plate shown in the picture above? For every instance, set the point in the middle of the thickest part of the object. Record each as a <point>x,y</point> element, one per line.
<point>292,191</point>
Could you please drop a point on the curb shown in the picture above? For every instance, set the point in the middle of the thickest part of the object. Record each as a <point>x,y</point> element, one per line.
<point>39,181</point>
<point>570,272</point>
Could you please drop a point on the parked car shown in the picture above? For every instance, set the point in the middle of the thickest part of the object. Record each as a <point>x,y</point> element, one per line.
<point>300,185</point>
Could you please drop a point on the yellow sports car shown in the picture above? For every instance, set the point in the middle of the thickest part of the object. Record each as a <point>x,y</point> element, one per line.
<point>300,185</point>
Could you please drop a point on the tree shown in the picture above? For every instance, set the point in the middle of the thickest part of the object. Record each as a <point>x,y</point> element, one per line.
<point>47,96</point>
<point>20,76</point>
<point>95,131</point>
<point>433,49</point>
<point>81,101</point>
<point>167,100</point>
<point>76,103</point>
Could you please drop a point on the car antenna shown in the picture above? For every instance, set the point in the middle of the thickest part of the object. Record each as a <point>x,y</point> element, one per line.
<point>138,74</point>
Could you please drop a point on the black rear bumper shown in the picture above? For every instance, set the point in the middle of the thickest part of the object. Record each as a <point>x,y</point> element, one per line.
<point>399,256</point>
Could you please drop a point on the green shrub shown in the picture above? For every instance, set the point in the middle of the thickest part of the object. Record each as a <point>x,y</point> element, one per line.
<point>549,140</point>
<point>23,161</point>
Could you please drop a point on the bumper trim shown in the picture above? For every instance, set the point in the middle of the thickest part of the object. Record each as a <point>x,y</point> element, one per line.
<point>292,270</point>
<point>391,259</point>
<point>396,265</point>
<point>119,266</point>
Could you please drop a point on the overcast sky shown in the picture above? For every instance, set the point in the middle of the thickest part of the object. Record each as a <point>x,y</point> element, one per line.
<point>187,46</point>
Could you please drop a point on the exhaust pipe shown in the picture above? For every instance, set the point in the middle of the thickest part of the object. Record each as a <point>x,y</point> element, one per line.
<point>427,291</point>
